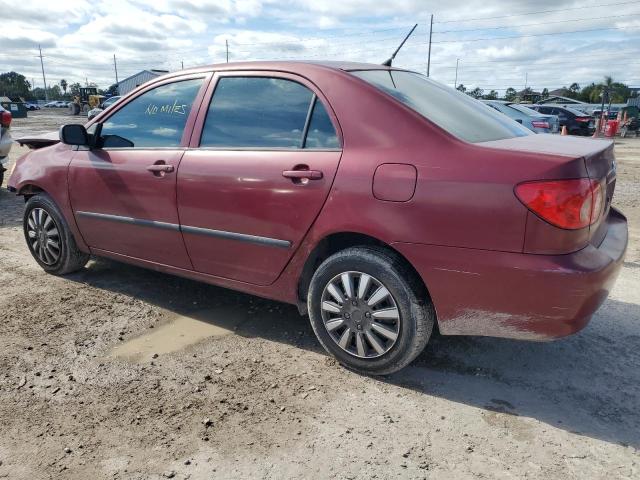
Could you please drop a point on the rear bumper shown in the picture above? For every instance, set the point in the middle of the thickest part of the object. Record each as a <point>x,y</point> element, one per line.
<point>516,295</point>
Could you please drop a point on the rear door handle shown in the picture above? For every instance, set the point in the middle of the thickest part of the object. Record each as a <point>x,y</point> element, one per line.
<point>299,174</point>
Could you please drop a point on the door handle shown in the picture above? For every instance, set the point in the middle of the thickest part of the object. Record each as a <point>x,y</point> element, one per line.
<point>159,169</point>
<point>302,174</point>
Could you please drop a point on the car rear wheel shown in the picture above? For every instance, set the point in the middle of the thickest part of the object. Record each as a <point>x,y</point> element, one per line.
<point>49,239</point>
<point>369,311</point>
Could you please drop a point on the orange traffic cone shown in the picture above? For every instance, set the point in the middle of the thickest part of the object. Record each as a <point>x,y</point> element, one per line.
<point>564,130</point>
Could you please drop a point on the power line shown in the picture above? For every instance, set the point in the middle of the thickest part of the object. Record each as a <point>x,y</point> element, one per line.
<point>538,12</point>
<point>537,24</point>
<point>532,35</point>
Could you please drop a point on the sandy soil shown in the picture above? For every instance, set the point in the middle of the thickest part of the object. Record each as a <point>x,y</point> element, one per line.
<point>121,373</point>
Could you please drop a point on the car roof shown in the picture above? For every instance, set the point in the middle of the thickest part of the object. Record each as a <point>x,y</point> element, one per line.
<point>297,66</point>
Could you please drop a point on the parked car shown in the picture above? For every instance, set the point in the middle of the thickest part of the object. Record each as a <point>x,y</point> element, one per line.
<point>5,139</point>
<point>31,106</point>
<point>57,104</point>
<point>552,120</point>
<point>376,200</point>
<point>577,122</point>
<point>534,121</point>
<point>103,106</point>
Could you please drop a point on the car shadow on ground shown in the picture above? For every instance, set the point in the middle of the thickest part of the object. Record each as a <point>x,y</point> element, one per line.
<point>586,384</point>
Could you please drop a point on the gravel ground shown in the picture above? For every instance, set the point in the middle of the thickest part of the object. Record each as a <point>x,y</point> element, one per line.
<point>121,373</point>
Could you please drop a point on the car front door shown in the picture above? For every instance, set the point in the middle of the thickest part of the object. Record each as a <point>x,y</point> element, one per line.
<point>265,150</point>
<point>124,194</point>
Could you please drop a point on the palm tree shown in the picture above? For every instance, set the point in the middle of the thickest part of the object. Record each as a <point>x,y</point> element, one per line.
<point>63,84</point>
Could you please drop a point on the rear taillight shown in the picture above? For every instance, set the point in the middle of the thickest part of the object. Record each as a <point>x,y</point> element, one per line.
<point>539,124</point>
<point>570,204</point>
<point>5,119</point>
<point>583,119</point>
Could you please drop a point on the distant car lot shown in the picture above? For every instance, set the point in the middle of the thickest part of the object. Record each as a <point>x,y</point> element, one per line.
<point>533,120</point>
<point>577,122</point>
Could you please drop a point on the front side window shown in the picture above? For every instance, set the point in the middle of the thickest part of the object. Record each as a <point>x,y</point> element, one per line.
<point>453,111</point>
<point>154,119</point>
<point>261,112</point>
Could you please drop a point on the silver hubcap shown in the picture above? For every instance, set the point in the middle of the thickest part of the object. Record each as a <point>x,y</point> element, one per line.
<point>360,314</point>
<point>44,236</point>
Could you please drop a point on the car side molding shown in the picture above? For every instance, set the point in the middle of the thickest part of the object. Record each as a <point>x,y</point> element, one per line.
<point>242,237</point>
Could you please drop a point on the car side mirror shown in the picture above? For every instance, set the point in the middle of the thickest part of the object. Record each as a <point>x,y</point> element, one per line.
<point>74,134</point>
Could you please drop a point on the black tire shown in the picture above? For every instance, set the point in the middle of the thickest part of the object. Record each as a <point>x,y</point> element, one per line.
<point>69,258</point>
<point>2,170</point>
<point>416,314</point>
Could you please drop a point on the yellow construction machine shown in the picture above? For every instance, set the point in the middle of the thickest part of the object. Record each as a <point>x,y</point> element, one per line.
<point>87,99</point>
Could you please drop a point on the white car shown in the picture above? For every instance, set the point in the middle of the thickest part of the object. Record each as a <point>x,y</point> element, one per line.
<point>57,104</point>
<point>5,139</point>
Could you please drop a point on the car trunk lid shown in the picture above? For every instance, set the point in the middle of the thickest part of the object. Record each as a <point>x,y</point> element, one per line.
<point>568,157</point>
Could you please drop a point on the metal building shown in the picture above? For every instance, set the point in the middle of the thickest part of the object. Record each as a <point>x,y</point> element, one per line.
<point>130,83</point>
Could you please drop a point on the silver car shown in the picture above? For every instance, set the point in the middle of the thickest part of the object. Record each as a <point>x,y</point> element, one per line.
<point>534,121</point>
<point>5,139</point>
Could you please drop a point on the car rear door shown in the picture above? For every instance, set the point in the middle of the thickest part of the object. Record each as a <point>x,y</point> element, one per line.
<point>124,194</point>
<point>265,150</point>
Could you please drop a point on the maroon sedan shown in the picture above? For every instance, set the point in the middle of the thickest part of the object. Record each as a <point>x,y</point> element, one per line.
<point>378,201</point>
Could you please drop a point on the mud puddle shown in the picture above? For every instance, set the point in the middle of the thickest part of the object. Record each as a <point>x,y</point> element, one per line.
<point>178,332</point>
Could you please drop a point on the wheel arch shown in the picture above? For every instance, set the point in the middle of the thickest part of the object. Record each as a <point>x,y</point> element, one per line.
<point>28,190</point>
<point>336,242</point>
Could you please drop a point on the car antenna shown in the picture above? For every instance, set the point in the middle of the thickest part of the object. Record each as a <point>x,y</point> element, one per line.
<point>388,62</point>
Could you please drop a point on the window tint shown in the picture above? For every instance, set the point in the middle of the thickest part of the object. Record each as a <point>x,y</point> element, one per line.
<point>154,119</point>
<point>256,112</point>
<point>321,133</point>
<point>455,112</point>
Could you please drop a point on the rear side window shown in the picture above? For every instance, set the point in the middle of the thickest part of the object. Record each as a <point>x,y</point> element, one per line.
<point>154,119</point>
<point>257,112</point>
<point>321,133</point>
<point>453,111</point>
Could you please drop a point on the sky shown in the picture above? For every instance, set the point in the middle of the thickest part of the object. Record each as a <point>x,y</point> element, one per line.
<point>499,44</point>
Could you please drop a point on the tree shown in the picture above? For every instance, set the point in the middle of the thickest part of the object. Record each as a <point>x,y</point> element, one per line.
<point>461,88</point>
<point>545,93</point>
<point>510,94</point>
<point>112,90</point>
<point>573,91</point>
<point>13,84</point>
<point>476,92</point>
<point>74,88</point>
<point>63,84</point>
<point>492,95</point>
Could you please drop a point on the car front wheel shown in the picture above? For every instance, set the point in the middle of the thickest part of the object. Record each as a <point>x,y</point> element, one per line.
<point>369,310</point>
<point>49,239</point>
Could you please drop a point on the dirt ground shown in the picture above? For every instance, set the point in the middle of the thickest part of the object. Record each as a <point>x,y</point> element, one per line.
<point>121,373</point>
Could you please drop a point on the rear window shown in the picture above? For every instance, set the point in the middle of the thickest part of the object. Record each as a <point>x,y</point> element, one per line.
<point>529,111</point>
<point>453,111</point>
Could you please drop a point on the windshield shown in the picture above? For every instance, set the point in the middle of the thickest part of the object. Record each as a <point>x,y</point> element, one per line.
<point>455,112</point>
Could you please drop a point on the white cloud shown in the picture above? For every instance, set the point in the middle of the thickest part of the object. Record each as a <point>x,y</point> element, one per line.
<point>79,38</point>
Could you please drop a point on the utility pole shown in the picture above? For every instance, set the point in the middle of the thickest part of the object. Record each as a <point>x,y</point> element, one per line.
<point>430,35</point>
<point>227,43</point>
<point>182,64</point>
<point>115,67</point>
<point>526,79</point>
<point>44,79</point>
<point>455,84</point>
